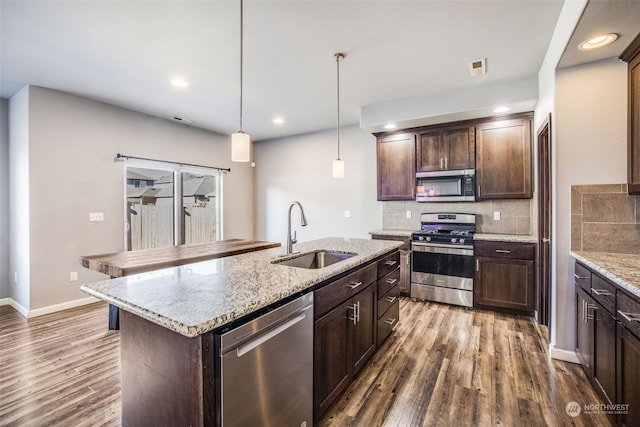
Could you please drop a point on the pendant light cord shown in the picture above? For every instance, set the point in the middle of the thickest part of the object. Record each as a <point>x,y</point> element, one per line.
<point>338,57</point>
<point>241,55</point>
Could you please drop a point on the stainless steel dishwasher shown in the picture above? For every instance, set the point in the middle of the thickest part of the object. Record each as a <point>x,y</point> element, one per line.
<point>266,369</point>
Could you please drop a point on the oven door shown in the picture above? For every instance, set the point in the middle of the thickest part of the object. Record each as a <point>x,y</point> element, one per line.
<point>442,265</point>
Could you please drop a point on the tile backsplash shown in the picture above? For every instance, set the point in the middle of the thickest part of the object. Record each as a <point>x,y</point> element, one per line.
<point>516,216</point>
<point>604,218</point>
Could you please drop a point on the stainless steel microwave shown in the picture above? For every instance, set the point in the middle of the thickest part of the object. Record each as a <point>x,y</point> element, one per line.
<point>446,186</point>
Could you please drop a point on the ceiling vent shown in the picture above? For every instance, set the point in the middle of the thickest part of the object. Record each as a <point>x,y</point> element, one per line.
<point>182,120</point>
<point>478,67</point>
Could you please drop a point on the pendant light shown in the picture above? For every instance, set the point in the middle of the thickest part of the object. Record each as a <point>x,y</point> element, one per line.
<point>338,164</point>
<point>240,141</point>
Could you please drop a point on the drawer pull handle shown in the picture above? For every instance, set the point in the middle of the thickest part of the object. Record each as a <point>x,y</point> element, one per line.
<point>390,263</point>
<point>354,285</point>
<point>601,292</point>
<point>391,300</point>
<point>391,281</point>
<point>503,251</point>
<point>580,277</point>
<point>629,317</point>
<point>389,321</point>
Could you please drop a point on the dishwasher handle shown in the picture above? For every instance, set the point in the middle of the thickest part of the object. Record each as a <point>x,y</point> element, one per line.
<point>255,342</point>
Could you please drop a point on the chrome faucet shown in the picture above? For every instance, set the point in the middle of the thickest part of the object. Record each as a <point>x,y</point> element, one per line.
<point>303,222</point>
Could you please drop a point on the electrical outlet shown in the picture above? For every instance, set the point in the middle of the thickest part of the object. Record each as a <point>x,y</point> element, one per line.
<point>73,276</point>
<point>408,214</point>
<point>96,216</point>
<point>347,214</point>
<point>15,276</point>
<point>496,215</point>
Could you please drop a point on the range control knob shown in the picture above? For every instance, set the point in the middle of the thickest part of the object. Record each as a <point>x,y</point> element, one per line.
<point>420,237</point>
<point>462,241</point>
<point>453,240</point>
<point>428,239</point>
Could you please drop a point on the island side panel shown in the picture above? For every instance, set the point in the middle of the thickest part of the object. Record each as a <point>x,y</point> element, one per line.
<point>164,379</point>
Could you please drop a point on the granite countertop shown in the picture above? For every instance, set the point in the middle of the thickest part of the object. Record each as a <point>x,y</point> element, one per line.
<point>524,238</point>
<point>196,298</point>
<point>392,233</point>
<point>621,269</point>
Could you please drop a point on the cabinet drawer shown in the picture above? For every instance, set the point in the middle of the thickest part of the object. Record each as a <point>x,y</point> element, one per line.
<point>604,292</point>
<point>388,264</point>
<point>582,277</point>
<point>388,300</point>
<point>389,281</point>
<point>388,321</point>
<point>628,313</point>
<point>505,250</point>
<point>342,289</point>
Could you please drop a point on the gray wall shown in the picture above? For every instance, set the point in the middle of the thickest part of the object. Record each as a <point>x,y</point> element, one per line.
<point>4,199</point>
<point>72,143</point>
<point>591,144</point>
<point>300,168</point>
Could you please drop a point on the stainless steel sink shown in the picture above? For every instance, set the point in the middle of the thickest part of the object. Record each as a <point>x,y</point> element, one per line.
<point>315,259</point>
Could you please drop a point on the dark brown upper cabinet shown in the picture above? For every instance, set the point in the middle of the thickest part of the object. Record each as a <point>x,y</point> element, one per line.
<point>396,167</point>
<point>503,159</point>
<point>632,55</point>
<point>446,148</point>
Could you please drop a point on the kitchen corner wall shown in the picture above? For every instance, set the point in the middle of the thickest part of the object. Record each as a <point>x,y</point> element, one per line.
<point>604,218</point>
<point>516,216</point>
<point>4,199</point>
<point>65,146</point>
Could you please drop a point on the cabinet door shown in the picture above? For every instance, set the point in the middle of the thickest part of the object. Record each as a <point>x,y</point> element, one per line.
<point>628,376</point>
<point>396,167</point>
<point>633,139</point>
<point>331,357</point>
<point>429,151</point>
<point>363,338</point>
<point>584,331</point>
<point>503,159</point>
<point>504,283</point>
<point>460,145</point>
<point>604,349</point>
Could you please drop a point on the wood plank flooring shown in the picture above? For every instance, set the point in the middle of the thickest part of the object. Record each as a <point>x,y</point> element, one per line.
<point>442,366</point>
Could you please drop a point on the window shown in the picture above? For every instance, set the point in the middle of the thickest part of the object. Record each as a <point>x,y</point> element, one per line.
<point>168,204</point>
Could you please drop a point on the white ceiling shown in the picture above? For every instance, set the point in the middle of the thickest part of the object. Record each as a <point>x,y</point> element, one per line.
<point>125,52</point>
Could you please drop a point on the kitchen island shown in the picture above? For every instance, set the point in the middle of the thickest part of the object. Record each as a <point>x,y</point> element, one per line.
<point>169,319</point>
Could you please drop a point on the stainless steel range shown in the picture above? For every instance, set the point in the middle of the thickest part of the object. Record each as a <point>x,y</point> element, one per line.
<point>442,261</point>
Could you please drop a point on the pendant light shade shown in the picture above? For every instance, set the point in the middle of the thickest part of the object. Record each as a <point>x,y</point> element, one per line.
<point>240,147</point>
<point>240,141</point>
<point>338,164</point>
<point>338,168</point>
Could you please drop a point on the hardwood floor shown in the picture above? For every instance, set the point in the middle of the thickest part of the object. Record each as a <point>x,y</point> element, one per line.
<point>442,366</point>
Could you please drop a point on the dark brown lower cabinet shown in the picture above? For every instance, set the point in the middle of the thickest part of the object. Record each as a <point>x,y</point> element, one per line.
<point>505,276</point>
<point>584,331</point>
<point>344,340</point>
<point>628,376</point>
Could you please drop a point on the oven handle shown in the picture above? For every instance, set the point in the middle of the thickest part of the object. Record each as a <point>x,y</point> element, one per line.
<point>442,249</point>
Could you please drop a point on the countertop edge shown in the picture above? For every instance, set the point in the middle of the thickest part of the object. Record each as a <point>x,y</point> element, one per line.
<point>622,283</point>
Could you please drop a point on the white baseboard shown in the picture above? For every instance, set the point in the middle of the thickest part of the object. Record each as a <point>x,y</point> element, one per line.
<point>48,309</point>
<point>564,355</point>
<point>63,306</point>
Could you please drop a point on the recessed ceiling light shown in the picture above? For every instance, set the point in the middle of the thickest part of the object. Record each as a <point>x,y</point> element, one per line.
<point>278,121</point>
<point>178,82</point>
<point>390,126</point>
<point>599,41</point>
<point>501,110</point>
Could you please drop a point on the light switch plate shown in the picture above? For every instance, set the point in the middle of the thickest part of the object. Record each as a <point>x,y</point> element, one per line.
<point>347,214</point>
<point>96,216</point>
<point>408,214</point>
<point>73,276</point>
<point>496,216</point>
